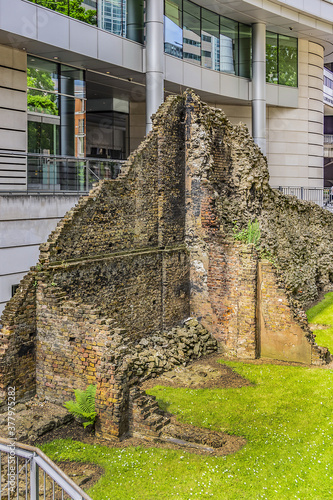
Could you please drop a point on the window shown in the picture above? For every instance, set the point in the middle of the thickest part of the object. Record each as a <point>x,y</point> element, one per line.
<point>173,28</point>
<point>191,32</point>
<point>210,39</point>
<point>204,38</point>
<point>281,59</point>
<point>287,61</point>
<point>244,50</point>
<point>56,119</point>
<point>229,45</point>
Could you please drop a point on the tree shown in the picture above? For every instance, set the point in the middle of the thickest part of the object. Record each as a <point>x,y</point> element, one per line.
<point>72,8</point>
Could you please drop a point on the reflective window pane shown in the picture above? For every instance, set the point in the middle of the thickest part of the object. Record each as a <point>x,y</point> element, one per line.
<point>244,50</point>
<point>287,61</point>
<point>191,32</point>
<point>72,81</point>
<point>112,16</point>
<point>43,137</point>
<point>210,40</point>
<point>272,58</point>
<point>107,134</point>
<point>228,45</point>
<point>42,102</point>
<point>67,125</point>
<point>42,74</point>
<point>135,20</point>
<point>86,11</point>
<point>173,31</point>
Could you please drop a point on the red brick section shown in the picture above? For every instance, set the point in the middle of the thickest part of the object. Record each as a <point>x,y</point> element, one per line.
<point>232,279</point>
<point>281,336</point>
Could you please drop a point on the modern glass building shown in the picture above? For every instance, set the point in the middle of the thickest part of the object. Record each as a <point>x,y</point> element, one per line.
<point>80,81</point>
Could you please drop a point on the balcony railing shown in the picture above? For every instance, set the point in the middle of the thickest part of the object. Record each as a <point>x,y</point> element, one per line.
<point>54,174</point>
<point>321,196</point>
<point>27,474</point>
<point>328,139</point>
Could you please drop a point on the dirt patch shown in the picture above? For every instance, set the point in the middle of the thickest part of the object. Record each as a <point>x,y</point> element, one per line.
<point>314,326</point>
<point>84,475</point>
<point>205,373</point>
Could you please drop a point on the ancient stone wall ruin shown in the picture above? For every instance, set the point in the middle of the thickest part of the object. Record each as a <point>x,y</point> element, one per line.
<point>121,279</point>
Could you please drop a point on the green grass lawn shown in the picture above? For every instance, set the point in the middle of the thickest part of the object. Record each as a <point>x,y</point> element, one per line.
<point>286,417</point>
<point>322,314</point>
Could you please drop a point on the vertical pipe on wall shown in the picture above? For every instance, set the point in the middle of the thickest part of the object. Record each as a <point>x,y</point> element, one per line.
<point>259,85</point>
<point>154,59</point>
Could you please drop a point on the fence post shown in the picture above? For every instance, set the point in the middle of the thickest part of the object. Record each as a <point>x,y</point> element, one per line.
<point>34,479</point>
<point>302,193</point>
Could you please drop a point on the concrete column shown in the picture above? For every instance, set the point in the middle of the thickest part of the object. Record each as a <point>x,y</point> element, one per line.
<point>259,85</point>
<point>154,59</point>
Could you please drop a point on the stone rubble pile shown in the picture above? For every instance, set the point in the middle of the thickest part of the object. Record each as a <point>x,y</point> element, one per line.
<point>154,355</point>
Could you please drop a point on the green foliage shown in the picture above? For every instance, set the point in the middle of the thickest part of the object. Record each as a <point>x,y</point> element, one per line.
<point>285,416</point>
<point>84,407</point>
<point>281,60</point>
<point>72,8</point>
<point>39,79</point>
<point>40,100</point>
<point>322,314</point>
<point>267,255</point>
<point>248,235</point>
<point>42,104</point>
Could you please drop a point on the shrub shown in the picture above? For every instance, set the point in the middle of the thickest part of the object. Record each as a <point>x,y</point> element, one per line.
<point>248,235</point>
<point>84,407</point>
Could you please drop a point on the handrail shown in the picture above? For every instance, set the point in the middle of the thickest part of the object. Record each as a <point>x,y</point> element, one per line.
<point>61,157</point>
<point>37,458</point>
<point>46,173</point>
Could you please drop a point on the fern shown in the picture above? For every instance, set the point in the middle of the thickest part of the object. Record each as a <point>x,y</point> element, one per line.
<point>84,407</point>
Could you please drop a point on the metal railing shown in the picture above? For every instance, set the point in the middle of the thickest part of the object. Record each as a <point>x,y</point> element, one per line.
<point>26,473</point>
<point>55,173</point>
<point>328,139</point>
<point>320,196</point>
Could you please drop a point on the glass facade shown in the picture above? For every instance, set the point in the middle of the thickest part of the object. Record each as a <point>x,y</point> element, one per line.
<point>281,59</point>
<point>56,106</point>
<point>107,121</point>
<point>210,40</point>
<point>173,27</point>
<point>56,119</point>
<point>121,17</point>
<point>206,39</point>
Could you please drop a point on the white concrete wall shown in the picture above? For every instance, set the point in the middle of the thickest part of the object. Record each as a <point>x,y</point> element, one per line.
<point>295,136</point>
<point>25,223</point>
<point>237,114</point>
<point>13,117</point>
